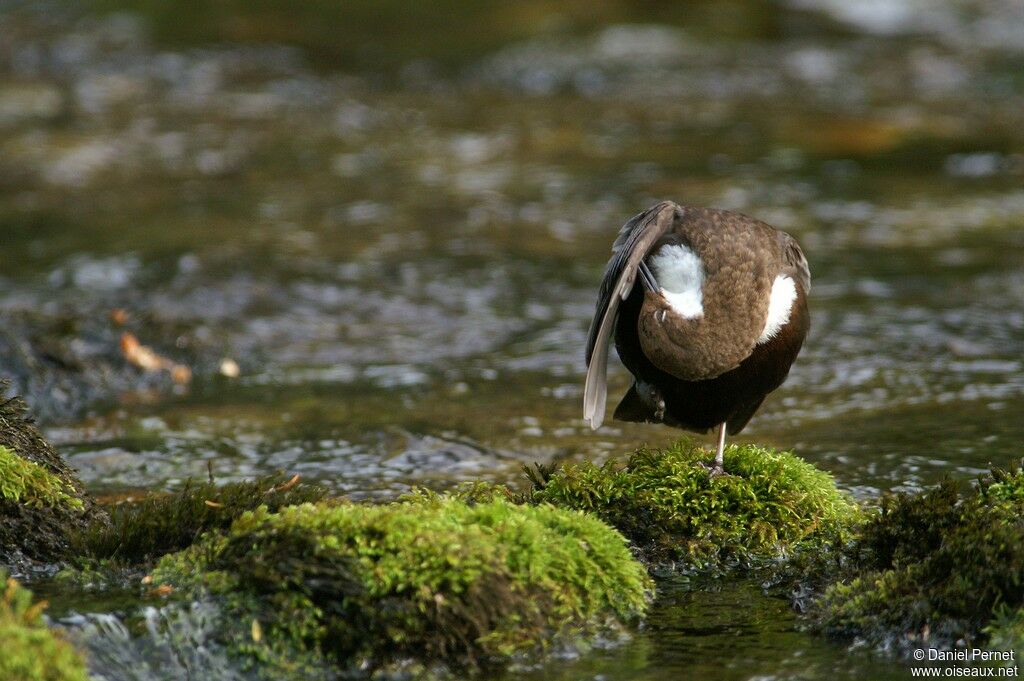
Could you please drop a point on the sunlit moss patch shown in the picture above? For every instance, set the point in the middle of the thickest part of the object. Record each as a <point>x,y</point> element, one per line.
<point>29,651</point>
<point>436,580</point>
<point>26,482</point>
<point>668,505</point>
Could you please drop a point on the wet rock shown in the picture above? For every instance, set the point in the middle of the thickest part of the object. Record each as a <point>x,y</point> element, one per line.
<point>41,500</point>
<point>63,361</point>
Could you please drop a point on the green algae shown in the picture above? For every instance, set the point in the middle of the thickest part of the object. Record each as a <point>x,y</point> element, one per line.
<point>26,482</point>
<point>160,523</point>
<point>436,580</point>
<point>936,567</point>
<point>666,503</point>
<point>31,651</point>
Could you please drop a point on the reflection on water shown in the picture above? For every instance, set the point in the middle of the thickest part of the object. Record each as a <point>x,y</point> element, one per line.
<point>720,631</point>
<point>403,261</point>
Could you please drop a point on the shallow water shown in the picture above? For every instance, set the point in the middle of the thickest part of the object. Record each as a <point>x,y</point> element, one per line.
<point>729,631</point>
<point>402,254</point>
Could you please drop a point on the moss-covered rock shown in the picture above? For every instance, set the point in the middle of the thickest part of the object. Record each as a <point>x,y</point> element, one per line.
<point>41,500</point>
<point>29,651</point>
<point>936,567</point>
<point>668,505</point>
<point>434,580</point>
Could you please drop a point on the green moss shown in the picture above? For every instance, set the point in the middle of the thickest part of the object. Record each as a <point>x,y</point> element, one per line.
<point>668,505</point>
<point>937,566</point>
<point>162,523</point>
<point>31,651</point>
<point>26,482</point>
<point>1006,630</point>
<point>435,580</point>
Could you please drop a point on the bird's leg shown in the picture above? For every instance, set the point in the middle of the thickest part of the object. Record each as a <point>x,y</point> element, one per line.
<point>720,454</point>
<point>718,468</point>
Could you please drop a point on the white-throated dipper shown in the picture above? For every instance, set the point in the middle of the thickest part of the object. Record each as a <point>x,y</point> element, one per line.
<point>708,309</point>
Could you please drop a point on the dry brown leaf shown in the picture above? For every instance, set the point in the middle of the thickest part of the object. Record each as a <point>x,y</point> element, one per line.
<point>147,359</point>
<point>141,355</point>
<point>285,486</point>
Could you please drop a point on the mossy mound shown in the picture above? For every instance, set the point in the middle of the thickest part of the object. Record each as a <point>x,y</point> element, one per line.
<point>936,567</point>
<point>41,501</point>
<point>29,651</point>
<point>673,510</point>
<point>160,523</point>
<point>438,581</point>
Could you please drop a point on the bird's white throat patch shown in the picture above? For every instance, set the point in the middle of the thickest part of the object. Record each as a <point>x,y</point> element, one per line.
<point>680,274</point>
<point>780,303</point>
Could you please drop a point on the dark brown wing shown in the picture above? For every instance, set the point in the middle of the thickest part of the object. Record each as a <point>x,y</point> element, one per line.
<point>635,241</point>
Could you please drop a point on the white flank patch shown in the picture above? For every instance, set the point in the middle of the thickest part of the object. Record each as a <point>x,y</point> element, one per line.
<point>680,273</point>
<point>779,305</point>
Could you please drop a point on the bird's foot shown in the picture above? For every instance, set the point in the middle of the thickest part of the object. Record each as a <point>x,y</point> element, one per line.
<point>714,469</point>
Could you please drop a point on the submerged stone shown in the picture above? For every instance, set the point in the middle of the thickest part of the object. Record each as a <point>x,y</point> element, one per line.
<point>666,503</point>
<point>29,651</point>
<point>432,581</point>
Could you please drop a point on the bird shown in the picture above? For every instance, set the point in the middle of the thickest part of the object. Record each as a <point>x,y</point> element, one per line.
<point>708,310</point>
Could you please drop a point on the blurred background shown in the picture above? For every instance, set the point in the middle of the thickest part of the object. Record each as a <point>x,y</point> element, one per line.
<point>361,241</point>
